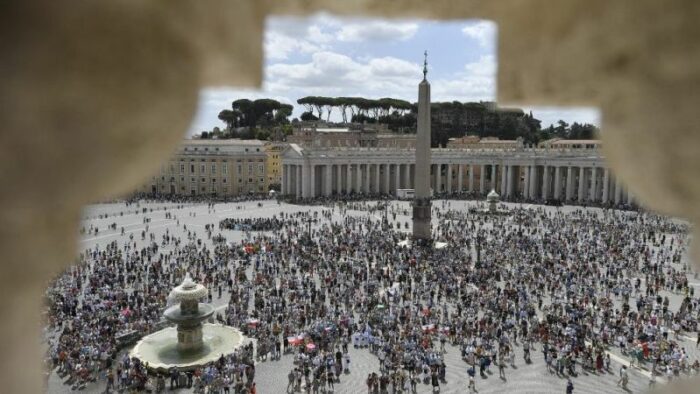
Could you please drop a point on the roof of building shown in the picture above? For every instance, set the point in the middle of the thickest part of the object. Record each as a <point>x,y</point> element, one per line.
<point>231,141</point>
<point>567,142</point>
<point>497,141</point>
<point>221,147</point>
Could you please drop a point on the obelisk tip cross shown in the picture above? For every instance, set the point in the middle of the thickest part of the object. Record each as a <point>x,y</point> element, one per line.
<point>425,65</point>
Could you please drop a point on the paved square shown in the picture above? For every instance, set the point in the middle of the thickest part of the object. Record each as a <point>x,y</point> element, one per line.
<point>560,273</point>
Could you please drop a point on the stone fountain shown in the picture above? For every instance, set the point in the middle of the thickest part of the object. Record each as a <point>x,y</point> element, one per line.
<point>189,315</point>
<point>192,343</point>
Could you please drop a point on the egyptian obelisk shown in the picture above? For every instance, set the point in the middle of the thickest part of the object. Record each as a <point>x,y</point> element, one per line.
<point>421,204</point>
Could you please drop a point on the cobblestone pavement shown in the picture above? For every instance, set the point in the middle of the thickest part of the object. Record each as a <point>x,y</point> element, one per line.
<point>271,376</point>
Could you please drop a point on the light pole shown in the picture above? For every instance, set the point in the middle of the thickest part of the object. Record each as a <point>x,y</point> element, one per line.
<point>478,249</point>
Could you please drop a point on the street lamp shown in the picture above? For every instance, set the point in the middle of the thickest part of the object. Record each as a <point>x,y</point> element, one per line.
<point>478,249</point>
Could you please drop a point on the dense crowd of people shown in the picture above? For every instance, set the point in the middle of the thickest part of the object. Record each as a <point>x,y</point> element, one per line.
<point>251,224</point>
<point>575,285</point>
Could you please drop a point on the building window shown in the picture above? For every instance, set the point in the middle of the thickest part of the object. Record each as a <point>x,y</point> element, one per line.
<point>191,168</point>
<point>240,169</point>
<point>182,168</point>
<point>193,180</point>
<point>250,168</point>
<point>240,180</point>
<point>182,179</point>
<point>213,168</point>
<point>250,180</point>
<point>224,169</point>
<point>204,180</point>
<point>202,168</point>
<point>213,180</point>
<point>224,180</point>
<point>261,169</point>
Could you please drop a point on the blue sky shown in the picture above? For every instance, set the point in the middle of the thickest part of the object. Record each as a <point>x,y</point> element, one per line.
<point>328,56</point>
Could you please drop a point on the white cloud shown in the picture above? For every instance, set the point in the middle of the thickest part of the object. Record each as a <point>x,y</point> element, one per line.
<point>485,66</point>
<point>330,72</point>
<point>377,31</point>
<point>316,34</point>
<point>278,46</point>
<point>477,82</point>
<point>484,32</point>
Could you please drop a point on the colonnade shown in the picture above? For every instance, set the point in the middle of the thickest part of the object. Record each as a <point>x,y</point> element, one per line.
<point>547,180</point>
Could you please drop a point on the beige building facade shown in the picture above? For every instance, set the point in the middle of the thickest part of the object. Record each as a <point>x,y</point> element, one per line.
<point>273,165</point>
<point>213,167</point>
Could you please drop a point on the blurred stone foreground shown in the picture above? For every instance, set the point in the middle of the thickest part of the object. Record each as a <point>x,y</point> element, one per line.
<point>94,95</point>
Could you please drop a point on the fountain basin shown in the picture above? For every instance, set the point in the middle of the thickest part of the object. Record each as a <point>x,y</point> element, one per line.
<point>161,352</point>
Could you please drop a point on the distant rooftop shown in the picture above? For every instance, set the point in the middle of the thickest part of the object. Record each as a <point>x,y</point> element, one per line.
<point>231,141</point>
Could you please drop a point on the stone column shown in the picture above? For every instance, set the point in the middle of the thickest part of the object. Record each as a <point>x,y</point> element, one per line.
<point>526,186</point>
<point>533,182</point>
<point>594,184</point>
<point>284,179</point>
<point>339,178</point>
<point>311,183</point>
<point>494,178</point>
<point>606,186</point>
<point>387,178</point>
<point>471,177</point>
<point>569,183</point>
<point>557,183</point>
<point>348,178</point>
<point>406,176</point>
<point>291,188</point>
<point>397,177</point>
<point>545,182</point>
<point>509,181</point>
<point>358,178</point>
<point>581,184</point>
<point>368,180</point>
<point>377,179</point>
<point>459,178</point>
<point>438,178</point>
<point>288,176</point>
<point>618,191</point>
<point>448,180</point>
<point>299,181</point>
<point>504,179</point>
<point>482,176</point>
<point>329,179</point>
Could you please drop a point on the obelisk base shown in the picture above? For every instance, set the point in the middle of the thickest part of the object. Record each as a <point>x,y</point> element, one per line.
<point>421,219</point>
